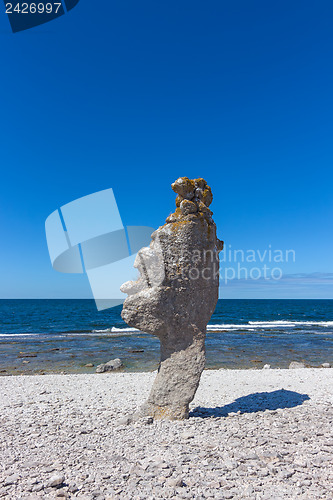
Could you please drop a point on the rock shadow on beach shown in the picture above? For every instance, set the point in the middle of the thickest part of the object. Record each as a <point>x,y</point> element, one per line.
<point>253,403</point>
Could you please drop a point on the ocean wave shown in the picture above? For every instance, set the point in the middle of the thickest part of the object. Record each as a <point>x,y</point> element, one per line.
<point>6,335</point>
<point>125,329</point>
<point>287,324</point>
<point>255,325</point>
<point>251,326</point>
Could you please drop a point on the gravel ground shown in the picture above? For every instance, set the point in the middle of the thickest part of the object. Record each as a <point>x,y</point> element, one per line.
<point>258,434</point>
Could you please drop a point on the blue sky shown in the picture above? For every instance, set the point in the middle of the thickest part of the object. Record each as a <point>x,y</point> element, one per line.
<point>132,95</point>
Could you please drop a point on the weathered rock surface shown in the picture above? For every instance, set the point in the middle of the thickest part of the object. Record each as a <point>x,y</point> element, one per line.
<point>176,295</point>
<point>110,366</point>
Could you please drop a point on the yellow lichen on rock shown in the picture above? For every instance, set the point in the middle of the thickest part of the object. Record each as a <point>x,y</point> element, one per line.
<point>184,187</point>
<point>166,413</point>
<point>193,197</point>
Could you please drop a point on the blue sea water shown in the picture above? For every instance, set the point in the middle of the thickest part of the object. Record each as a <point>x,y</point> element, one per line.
<point>65,335</point>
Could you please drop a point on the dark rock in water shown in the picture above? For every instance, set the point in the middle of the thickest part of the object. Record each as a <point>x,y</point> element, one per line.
<point>296,364</point>
<point>110,366</point>
<point>136,350</point>
<point>27,355</point>
<point>175,296</point>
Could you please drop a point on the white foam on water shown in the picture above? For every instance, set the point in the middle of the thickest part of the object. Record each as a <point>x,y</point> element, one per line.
<point>270,324</point>
<point>6,335</point>
<point>250,326</point>
<point>222,327</point>
<point>117,330</point>
<point>253,325</point>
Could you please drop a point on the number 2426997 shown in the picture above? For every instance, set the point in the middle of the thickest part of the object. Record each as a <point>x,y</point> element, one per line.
<point>32,8</point>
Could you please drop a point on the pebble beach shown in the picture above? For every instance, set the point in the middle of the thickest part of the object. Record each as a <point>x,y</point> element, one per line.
<point>257,434</point>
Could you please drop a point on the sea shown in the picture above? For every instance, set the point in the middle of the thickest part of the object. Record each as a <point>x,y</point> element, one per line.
<point>56,336</point>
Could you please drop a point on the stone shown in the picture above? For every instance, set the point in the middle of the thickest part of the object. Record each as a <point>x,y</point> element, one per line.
<point>296,364</point>
<point>326,365</point>
<point>55,481</point>
<point>285,474</point>
<point>188,207</point>
<point>89,365</point>
<point>110,366</point>
<point>266,367</point>
<point>175,296</point>
<point>175,482</point>
<point>185,188</point>
<point>214,484</point>
<point>147,420</point>
<point>124,421</point>
<point>37,487</point>
<point>187,435</point>
<point>72,488</point>
<point>30,464</point>
<point>62,493</point>
<point>300,462</point>
<point>12,479</point>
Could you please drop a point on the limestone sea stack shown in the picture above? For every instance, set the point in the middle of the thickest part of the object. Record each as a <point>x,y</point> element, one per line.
<point>175,296</point>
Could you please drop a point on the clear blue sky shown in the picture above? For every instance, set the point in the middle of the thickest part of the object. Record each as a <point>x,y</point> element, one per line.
<point>132,95</point>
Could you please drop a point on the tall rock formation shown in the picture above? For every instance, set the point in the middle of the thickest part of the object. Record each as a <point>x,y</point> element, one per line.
<point>175,296</point>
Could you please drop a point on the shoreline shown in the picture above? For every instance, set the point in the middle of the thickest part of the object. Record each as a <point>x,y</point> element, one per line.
<point>63,336</point>
<point>91,370</point>
<point>251,434</point>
